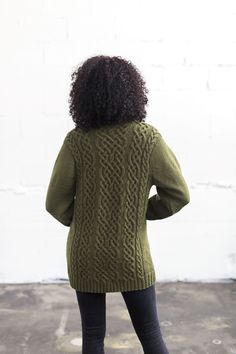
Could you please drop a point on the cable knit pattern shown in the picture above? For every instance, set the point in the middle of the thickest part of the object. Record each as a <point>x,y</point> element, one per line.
<point>109,171</point>
<point>110,155</point>
<point>106,250</point>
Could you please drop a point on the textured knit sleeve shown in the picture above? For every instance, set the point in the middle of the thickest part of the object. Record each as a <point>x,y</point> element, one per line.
<point>172,190</point>
<point>62,187</point>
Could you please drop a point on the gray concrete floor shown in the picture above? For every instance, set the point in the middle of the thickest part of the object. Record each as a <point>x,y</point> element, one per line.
<point>45,319</point>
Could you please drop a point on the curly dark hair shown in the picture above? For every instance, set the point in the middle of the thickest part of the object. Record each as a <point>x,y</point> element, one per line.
<point>105,91</point>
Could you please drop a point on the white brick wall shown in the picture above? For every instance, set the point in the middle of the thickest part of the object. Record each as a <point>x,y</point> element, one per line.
<point>186,51</point>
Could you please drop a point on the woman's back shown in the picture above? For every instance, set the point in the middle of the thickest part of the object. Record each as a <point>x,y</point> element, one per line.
<point>100,187</point>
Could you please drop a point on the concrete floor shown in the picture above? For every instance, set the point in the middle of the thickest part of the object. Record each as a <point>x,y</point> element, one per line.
<point>44,319</point>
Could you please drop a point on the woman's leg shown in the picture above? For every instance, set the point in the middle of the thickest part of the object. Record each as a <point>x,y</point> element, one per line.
<point>142,307</point>
<point>93,319</point>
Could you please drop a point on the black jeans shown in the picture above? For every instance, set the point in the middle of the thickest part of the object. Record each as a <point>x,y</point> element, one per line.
<point>142,308</point>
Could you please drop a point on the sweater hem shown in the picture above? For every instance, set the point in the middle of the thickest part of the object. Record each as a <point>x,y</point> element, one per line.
<point>118,285</point>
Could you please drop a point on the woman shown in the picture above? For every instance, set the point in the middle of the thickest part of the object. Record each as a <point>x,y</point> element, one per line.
<point>100,187</point>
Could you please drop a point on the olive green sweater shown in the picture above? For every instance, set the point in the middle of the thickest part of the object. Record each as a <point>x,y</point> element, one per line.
<point>99,187</point>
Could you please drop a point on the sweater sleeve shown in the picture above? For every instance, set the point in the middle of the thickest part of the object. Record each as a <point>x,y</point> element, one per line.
<point>172,190</point>
<point>62,187</point>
